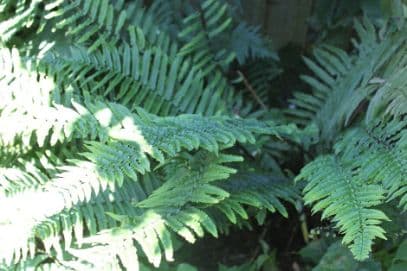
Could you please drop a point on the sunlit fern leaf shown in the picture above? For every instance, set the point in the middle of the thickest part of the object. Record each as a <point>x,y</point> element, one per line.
<point>79,182</point>
<point>98,24</point>
<point>14,180</point>
<point>157,135</point>
<point>23,211</point>
<point>21,18</point>
<point>67,213</point>
<point>48,125</point>
<point>152,80</point>
<point>30,264</point>
<point>151,231</point>
<point>21,88</point>
<point>28,116</point>
<point>334,188</point>
<point>88,218</point>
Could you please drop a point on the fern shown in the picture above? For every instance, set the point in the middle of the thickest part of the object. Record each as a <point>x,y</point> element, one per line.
<point>247,43</point>
<point>381,154</point>
<point>337,192</point>
<point>368,166</point>
<point>342,82</point>
<point>129,127</point>
<point>132,137</point>
<point>391,95</point>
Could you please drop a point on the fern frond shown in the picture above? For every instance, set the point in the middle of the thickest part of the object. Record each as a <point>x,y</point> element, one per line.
<point>17,15</point>
<point>202,35</point>
<point>151,79</point>
<point>379,152</point>
<point>16,179</point>
<point>247,43</point>
<point>80,200</point>
<point>123,156</point>
<point>97,24</point>
<point>193,185</point>
<point>258,191</point>
<point>48,125</point>
<point>152,231</point>
<point>203,26</point>
<point>334,188</point>
<point>170,208</point>
<point>391,97</point>
<point>342,82</point>
<point>155,136</point>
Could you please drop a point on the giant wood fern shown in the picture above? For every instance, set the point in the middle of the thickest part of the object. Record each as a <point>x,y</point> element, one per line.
<point>119,138</point>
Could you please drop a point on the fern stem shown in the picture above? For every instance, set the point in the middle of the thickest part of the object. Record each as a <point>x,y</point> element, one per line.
<point>251,90</point>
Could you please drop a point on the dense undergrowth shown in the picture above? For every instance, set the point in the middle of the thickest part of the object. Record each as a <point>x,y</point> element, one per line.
<point>170,135</point>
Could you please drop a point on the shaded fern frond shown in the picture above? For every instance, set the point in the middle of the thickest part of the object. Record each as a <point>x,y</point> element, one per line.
<point>343,82</point>
<point>258,191</point>
<point>379,151</point>
<point>247,43</point>
<point>391,97</point>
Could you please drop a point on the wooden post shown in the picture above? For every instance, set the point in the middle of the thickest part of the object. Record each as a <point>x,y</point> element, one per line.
<point>284,20</point>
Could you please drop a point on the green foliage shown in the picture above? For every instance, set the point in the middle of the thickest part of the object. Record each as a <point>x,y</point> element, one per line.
<point>337,257</point>
<point>128,128</point>
<point>89,140</point>
<point>368,166</point>
<point>347,198</point>
<point>343,82</point>
<point>400,259</point>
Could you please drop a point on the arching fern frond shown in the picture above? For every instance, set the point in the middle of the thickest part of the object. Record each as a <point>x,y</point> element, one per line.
<point>123,157</point>
<point>379,151</point>
<point>343,82</point>
<point>184,191</point>
<point>191,182</point>
<point>334,188</point>
<point>259,191</point>
<point>179,206</point>
<point>152,80</point>
<point>14,180</point>
<point>16,15</point>
<point>247,43</point>
<point>391,97</point>
<point>98,24</point>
